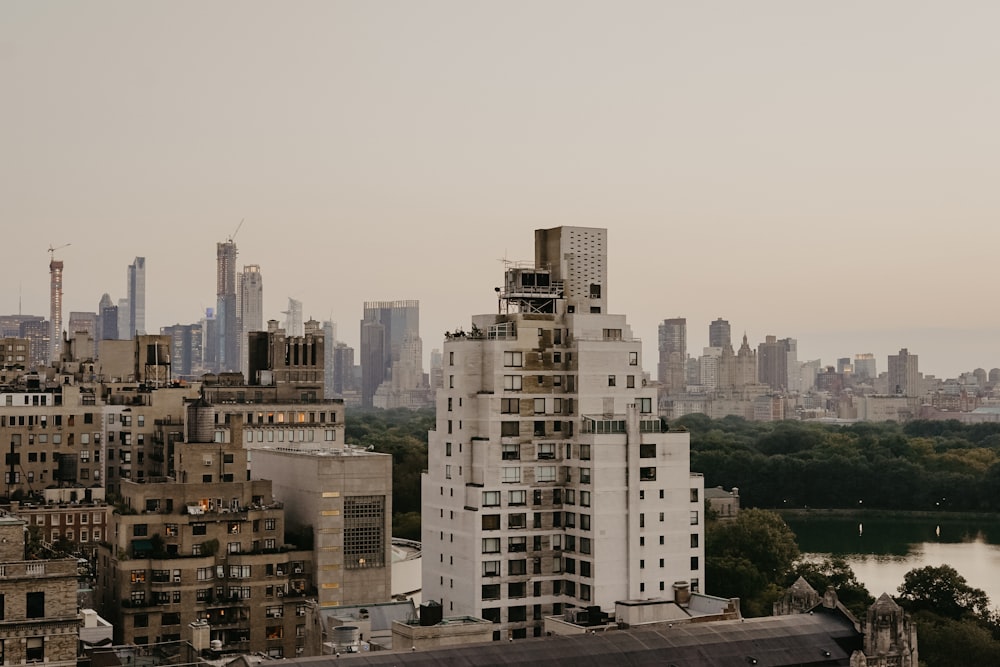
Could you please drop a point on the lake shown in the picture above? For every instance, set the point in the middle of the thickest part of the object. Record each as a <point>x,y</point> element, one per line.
<point>881,550</point>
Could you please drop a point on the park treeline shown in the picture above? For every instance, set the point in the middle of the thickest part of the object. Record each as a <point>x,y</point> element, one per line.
<point>915,466</point>
<point>403,434</point>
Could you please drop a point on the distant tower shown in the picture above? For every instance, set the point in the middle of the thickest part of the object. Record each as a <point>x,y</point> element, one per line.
<point>673,355</point>
<point>251,300</point>
<point>719,334</point>
<point>226,313</point>
<point>904,376</point>
<point>107,319</point>
<point>329,361</point>
<point>55,306</point>
<point>864,366</point>
<point>293,318</point>
<point>137,297</point>
<point>122,319</point>
<point>384,327</point>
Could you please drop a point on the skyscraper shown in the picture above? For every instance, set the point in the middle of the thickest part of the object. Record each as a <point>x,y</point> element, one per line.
<point>293,318</point>
<point>107,319</point>
<point>552,483</point>
<point>772,362</point>
<point>864,366</point>
<point>123,313</point>
<point>719,334</point>
<point>329,361</point>
<point>137,297</point>
<point>904,375</point>
<point>384,327</point>
<point>251,300</point>
<point>227,317</point>
<point>670,369</point>
<point>55,307</point>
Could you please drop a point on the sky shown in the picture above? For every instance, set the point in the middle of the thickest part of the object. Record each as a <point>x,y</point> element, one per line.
<point>821,171</point>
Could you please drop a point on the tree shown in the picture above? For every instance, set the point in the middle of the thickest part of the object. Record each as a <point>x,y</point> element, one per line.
<point>749,558</point>
<point>943,591</point>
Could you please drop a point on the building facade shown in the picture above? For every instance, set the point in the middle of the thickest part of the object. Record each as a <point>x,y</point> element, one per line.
<point>38,614</point>
<point>226,311</point>
<point>385,326</point>
<point>205,546</point>
<point>670,369</point>
<point>552,483</point>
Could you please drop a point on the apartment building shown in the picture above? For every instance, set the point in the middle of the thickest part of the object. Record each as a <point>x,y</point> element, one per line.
<point>552,484</point>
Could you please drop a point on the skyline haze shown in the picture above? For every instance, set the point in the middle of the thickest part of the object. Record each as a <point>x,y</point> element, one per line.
<point>819,172</point>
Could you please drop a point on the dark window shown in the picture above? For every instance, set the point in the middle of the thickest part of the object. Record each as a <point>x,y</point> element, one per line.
<point>647,451</point>
<point>694,562</point>
<point>140,530</point>
<point>647,474</point>
<point>492,615</point>
<point>140,621</point>
<point>34,649</point>
<point>509,429</point>
<point>516,590</point>
<point>491,591</point>
<point>517,614</point>
<point>35,605</point>
<point>694,540</point>
<point>491,522</point>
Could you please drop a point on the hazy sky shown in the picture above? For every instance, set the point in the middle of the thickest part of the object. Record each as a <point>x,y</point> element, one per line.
<point>825,171</point>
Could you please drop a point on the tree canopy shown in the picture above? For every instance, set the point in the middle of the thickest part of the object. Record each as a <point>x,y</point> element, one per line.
<point>919,465</point>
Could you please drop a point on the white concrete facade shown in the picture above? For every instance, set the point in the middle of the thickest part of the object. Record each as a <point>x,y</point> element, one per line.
<point>552,482</point>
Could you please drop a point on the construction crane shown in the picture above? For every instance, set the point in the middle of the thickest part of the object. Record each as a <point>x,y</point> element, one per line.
<point>52,251</point>
<point>232,236</point>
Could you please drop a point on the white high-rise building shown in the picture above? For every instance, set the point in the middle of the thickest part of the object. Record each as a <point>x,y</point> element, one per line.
<point>552,483</point>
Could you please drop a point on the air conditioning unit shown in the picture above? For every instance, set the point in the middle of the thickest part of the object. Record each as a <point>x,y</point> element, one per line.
<point>298,570</point>
<point>281,593</point>
<point>208,462</point>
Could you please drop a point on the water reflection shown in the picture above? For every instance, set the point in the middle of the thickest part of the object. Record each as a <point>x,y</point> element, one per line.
<point>881,551</point>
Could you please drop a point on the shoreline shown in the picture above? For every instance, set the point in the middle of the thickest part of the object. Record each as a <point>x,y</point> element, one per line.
<point>844,513</point>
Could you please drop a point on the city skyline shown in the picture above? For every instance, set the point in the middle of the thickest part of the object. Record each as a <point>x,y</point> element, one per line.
<point>799,171</point>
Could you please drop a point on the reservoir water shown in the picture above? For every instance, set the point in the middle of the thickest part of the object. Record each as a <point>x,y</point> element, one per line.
<point>882,550</point>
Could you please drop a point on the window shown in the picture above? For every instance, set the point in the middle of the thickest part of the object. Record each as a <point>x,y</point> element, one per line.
<point>611,380</point>
<point>517,498</point>
<point>199,529</point>
<point>645,405</point>
<point>545,474</point>
<point>694,562</point>
<point>491,568</point>
<point>492,614</point>
<point>694,517</point>
<point>585,543</point>
<point>647,451</point>
<point>491,522</point>
<point>584,522</point>
<point>511,475</point>
<point>517,589</point>
<point>584,498</point>
<point>517,567</point>
<point>510,429</point>
<point>510,452</point>
<point>584,452</point>
<point>35,605</point>
<point>517,544</point>
<point>491,545</point>
<point>510,406</point>
<point>512,359</point>
<point>451,358</point>
<point>34,649</point>
<point>694,540</point>
<point>270,524</point>
<point>512,382</point>
<point>694,495</point>
<point>633,358</point>
<point>140,530</point>
<point>539,406</point>
<point>517,520</point>
<point>491,498</point>
<point>647,474</point>
<point>491,591</point>
<point>547,450</point>
<point>585,475</point>
<point>630,381</point>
